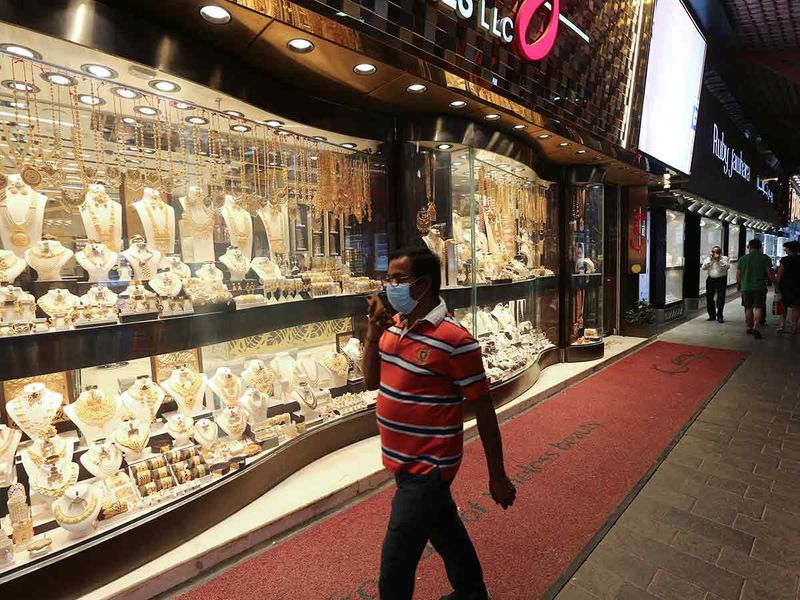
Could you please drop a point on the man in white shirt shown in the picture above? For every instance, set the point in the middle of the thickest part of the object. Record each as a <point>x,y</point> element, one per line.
<point>717,267</point>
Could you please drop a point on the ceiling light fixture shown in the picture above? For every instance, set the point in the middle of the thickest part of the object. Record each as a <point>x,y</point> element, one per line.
<point>320,138</point>
<point>182,106</point>
<point>241,128</point>
<point>581,152</point>
<point>234,113</point>
<point>300,45</point>
<point>91,100</point>
<point>283,132</point>
<point>544,136</point>
<point>195,120</point>
<point>58,78</point>
<point>18,50</point>
<point>458,104</point>
<point>215,14</point>
<point>416,88</point>
<point>20,86</point>
<point>365,69</point>
<point>444,146</point>
<point>99,71</point>
<point>520,126</point>
<point>492,117</point>
<point>130,120</point>
<point>146,110</point>
<point>273,123</point>
<point>162,85</point>
<point>563,144</point>
<point>349,145</point>
<point>124,92</point>
<point>457,164</point>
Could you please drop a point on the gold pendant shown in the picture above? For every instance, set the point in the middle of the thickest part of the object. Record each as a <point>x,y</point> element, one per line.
<point>20,239</point>
<point>31,176</point>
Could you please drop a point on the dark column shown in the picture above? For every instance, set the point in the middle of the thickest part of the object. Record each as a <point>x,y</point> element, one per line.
<point>691,253</point>
<point>658,257</point>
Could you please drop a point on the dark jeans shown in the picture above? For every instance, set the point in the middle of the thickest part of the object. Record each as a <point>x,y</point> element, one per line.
<point>422,510</point>
<point>716,288</point>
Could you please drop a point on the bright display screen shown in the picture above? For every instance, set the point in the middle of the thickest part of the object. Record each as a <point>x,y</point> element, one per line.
<point>672,92</point>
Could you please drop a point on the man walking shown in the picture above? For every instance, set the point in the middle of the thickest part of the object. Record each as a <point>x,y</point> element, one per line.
<point>717,267</point>
<point>752,273</point>
<point>426,367</point>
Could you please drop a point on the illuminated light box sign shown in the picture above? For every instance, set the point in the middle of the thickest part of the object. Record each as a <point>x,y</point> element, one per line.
<point>513,29</point>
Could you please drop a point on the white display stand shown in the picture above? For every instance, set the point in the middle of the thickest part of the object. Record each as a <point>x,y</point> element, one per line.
<point>226,386</point>
<point>102,460</point>
<point>77,510</point>
<point>238,264</point>
<point>233,421</point>
<point>158,221</point>
<point>239,224</point>
<point>285,369</point>
<point>102,218</point>
<point>97,260</point>
<point>142,259</point>
<point>9,440</point>
<point>47,257</point>
<point>33,456</point>
<point>11,266</point>
<point>206,433</point>
<point>132,436</point>
<point>276,225</point>
<point>255,404</point>
<point>34,409</point>
<point>197,227</point>
<point>134,396</point>
<point>179,427</point>
<point>94,398</point>
<point>22,217</point>
<point>180,386</point>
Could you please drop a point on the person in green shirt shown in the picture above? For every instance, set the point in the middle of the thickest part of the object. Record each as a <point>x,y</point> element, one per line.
<point>752,273</point>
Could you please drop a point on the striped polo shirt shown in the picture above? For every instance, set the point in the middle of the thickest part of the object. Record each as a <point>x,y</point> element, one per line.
<point>428,371</point>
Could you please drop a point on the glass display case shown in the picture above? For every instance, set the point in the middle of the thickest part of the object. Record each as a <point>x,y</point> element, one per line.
<point>711,232</point>
<point>734,231</point>
<point>585,248</point>
<point>493,223</point>
<point>676,228</point>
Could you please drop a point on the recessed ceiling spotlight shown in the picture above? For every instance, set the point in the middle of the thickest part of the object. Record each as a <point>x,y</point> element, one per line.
<point>146,110</point>
<point>458,104</point>
<point>124,92</point>
<point>99,71</point>
<point>457,164</point>
<point>134,161</point>
<point>129,120</point>
<point>241,128</point>
<point>563,144</point>
<point>272,123</point>
<point>517,169</point>
<point>416,88</point>
<point>503,165</point>
<point>283,132</point>
<point>365,69</point>
<point>91,100</point>
<point>520,126</point>
<point>58,78</point>
<point>215,14</point>
<point>320,138</point>
<point>463,157</point>
<point>234,113</point>
<point>341,14</point>
<point>581,152</point>
<point>18,50</point>
<point>182,106</point>
<point>491,117</point>
<point>148,150</point>
<point>444,146</point>
<point>544,136</point>
<point>20,86</point>
<point>300,45</point>
<point>195,120</point>
<point>313,157</point>
<point>349,145</point>
<point>163,85</point>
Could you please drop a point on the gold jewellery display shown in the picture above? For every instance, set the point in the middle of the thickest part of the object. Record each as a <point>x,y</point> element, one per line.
<point>94,407</point>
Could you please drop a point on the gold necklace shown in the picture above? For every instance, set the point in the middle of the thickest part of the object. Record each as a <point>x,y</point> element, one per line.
<point>235,424</point>
<point>337,364</point>
<point>146,396</point>
<point>146,271</point>
<point>19,230</point>
<point>204,226</point>
<point>97,257</point>
<point>104,234</point>
<point>238,229</point>
<point>132,439</point>
<point>46,252</point>
<point>40,458</point>
<point>261,380</point>
<point>68,479</point>
<point>95,408</point>
<point>230,390</point>
<point>61,518</point>
<point>188,393</point>
<point>161,233</point>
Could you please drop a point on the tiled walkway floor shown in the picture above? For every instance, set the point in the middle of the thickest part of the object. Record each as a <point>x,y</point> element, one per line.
<point>720,518</point>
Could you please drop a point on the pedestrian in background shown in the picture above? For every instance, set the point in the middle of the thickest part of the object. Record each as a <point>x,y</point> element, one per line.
<point>788,283</point>
<point>753,271</point>
<point>717,266</point>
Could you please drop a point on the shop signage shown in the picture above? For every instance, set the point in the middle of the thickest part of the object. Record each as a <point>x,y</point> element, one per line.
<point>732,163</point>
<point>637,230</point>
<point>512,29</point>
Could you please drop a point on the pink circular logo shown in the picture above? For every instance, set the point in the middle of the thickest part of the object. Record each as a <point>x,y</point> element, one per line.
<point>541,47</point>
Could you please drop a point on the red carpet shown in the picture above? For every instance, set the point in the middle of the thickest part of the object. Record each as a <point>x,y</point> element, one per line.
<point>575,458</point>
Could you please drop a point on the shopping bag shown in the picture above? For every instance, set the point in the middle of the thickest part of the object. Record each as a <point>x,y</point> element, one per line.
<point>778,308</point>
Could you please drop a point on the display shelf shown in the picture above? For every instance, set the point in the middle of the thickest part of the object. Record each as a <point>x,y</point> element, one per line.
<point>583,352</point>
<point>38,353</point>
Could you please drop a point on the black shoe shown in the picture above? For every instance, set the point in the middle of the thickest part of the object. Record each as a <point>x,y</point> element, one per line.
<point>711,319</point>
<point>720,320</point>
<point>757,334</point>
<point>750,331</point>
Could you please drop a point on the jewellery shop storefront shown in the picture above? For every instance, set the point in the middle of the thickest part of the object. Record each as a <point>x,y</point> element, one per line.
<point>188,237</point>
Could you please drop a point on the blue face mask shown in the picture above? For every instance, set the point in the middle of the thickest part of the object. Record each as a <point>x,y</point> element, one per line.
<point>400,298</point>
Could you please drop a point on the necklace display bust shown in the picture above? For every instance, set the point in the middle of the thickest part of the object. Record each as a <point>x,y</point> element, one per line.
<point>143,399</point>
<point>166,284</point>
<point>210,273</point>
<point>50,449</point>
<point>11,266</point>
<point>265,268</point>
<point>132,436</point>
<point>47,257</point>
<point>239,224</point>
<point>179,427</point>
<point>9,440</point>
<point>102,460</point>
<point>95,413</point>
<point>233,421</point>
<point>77,510</point>
<point>188,388</point>
<point>197,226</point>
<point>142,259</point>
<point>102,217</point>
<point>21,216</point>
<point>258,377</point>
<point>255,404</point>
<point>434,241</point>
<point>174,264</point>
<point>58,302</point>
<point>97,260</point>
<point>226,386</point>
<point>158,221</point>
<point>285,369</point>
<point>99,296</point>
<point>238,264</point>
<point>276,225</point>
<point>206,433</point>
<point>352,350</point>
